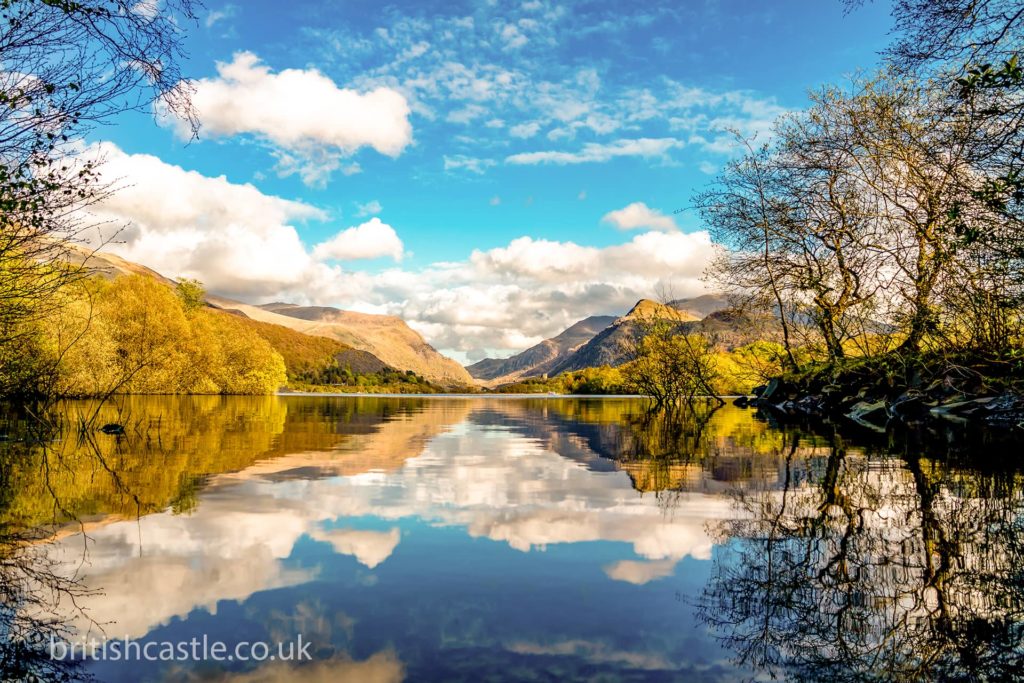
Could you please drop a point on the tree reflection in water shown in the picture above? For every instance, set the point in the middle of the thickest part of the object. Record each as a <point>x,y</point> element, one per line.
<point>33,587</point>
<point>865,566</point>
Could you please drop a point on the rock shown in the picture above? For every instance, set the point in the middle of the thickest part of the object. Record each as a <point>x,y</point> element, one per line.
<point>960,408</point>
<point>871,414</point>
<point>812,404</point>
<point>741,402</point>
<point>771,389</point>
<point>112,428</point>
<point>778,390</point>
<point>1005,411</point>
<point>910,405</point>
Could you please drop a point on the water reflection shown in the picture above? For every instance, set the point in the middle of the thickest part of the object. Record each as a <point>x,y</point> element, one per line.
<point>868,567</point>
<point>440,539</point>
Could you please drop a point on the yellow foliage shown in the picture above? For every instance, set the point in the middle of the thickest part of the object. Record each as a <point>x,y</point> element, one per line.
<point>135,335</point>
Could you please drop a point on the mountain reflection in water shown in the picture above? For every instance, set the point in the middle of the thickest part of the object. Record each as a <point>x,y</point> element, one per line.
<point>500,538</point>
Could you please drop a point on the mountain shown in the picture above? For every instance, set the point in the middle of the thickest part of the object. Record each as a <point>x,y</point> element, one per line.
<point>539,359</point>
<point>387,337</point>
<point>606,347</point>
<point>367,342</point>
<point>702,306</point>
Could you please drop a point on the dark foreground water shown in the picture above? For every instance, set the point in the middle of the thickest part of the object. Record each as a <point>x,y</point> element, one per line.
<point>489,539</point>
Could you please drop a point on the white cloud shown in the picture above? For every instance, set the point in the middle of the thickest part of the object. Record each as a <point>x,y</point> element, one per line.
<point>216,15</point>
<point>511,297</point>
<point>232,236</point>
<point>599,152</point>
<point>147,9</point>
<point>465,76</point>
<point>370,208</point>
<point>372,239</point>
<point>495,200</point>
<point>301,112</point>
<point>471,164</point>
<point>707,168</point>
<point>639,215</point>
<point>640,572</point>
<point>524,130</point>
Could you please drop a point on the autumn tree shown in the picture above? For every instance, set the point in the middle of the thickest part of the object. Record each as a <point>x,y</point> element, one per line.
<point>669,364</point>
<point>68,66</point>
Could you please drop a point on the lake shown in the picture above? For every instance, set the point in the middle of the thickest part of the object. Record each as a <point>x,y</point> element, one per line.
<point>490,539</point>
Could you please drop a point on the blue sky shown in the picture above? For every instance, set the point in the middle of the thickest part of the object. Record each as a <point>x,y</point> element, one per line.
<point>490,171</point>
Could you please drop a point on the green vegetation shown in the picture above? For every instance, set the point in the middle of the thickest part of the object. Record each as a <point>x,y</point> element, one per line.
<point>728,372</point>
<point>668,364</point>
<point>342,380</point>
<point>589,381</point>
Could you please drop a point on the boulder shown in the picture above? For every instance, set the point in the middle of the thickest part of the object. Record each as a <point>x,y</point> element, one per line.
<point>961,408</point>
<point>911,405</point>
<point>871,414</point>
<point>771,389</point>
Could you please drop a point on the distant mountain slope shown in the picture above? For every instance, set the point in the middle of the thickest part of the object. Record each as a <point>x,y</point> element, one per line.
<point>606,348</point>
<point>110,265</point>
<point>306,353</point>
<point>729,328</point>
<point>385,336</point>
<point>367,341</point>
<point>701,306</point>
<point>539,359</point>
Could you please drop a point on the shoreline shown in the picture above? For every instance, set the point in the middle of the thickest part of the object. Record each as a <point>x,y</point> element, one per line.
<point>455,395</point>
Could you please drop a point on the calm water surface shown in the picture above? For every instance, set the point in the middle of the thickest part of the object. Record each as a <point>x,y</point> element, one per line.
<point>433,539</point>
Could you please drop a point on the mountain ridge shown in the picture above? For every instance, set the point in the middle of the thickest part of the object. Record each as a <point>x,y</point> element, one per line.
<point>538,359</point>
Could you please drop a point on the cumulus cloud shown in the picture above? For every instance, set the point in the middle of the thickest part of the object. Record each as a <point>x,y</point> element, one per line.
<point>599,152</point>
<point>639,215</point>
<point>508,298</point>
<point>301,112</point>
<point>235,238</point>
<point>372,239</point>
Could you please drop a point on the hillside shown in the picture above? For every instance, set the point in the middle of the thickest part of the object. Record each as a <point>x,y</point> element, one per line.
<point>702,306</point>
<point>364,341</point>
<point>387,337</point>
<point>304,353</point>
<point>606,348</point>
<point>539,359</point>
